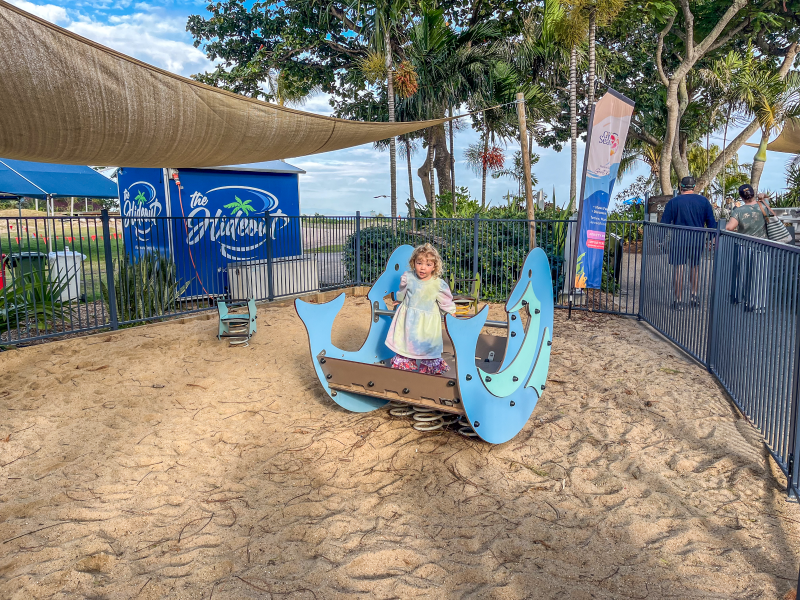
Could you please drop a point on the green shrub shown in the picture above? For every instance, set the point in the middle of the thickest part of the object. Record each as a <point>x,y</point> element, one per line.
<point>30,298</point>
<point>146,288</point>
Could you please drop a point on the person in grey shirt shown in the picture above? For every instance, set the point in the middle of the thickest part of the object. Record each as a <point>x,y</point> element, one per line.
<point>748,218</point>
<point>750,263</point>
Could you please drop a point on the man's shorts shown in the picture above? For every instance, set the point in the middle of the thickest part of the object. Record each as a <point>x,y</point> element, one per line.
<point>683,252</point>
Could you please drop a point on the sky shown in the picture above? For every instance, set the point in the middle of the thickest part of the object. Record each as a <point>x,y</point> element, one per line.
<point>335,183</point>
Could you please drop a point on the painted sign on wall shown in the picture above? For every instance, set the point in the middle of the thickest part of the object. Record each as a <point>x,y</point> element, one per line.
<point>143,203</point>
<point>217,217</point>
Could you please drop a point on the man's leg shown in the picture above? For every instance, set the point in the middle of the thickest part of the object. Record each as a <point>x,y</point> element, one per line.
<point>678,282</point>
<point>695,276</point>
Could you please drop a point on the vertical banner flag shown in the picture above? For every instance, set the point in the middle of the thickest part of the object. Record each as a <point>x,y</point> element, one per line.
<point>608,130</point>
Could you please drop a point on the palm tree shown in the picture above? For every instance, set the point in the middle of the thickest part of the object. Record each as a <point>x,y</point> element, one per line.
<point>599,14</point>
<point>484,160</point>
<point>748,85</point>
<point>407,150</point>
<point>571,30</point>
<point>725,75</point>
<point>776,101</point>
<point>382,24</point>
<point>450,66</point>
<point>517,171</point>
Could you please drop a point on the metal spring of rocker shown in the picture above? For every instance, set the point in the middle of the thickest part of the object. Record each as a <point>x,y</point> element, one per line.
<point>429,419</point>
<point>239,334</point>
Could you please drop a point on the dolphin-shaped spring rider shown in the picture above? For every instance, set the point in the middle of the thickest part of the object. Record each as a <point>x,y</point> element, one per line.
<point>494,381</point>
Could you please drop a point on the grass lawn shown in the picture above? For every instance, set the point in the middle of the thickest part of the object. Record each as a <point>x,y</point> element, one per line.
<point>324,249</point>
<point>78,240</point>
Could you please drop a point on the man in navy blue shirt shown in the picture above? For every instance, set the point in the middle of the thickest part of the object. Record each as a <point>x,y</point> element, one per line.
<point>686,247</point>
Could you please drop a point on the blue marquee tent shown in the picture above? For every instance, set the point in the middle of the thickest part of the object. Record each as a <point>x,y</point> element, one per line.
<point>45,180</point>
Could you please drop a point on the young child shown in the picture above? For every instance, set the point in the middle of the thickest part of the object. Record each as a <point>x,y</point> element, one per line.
<point>416,330</point>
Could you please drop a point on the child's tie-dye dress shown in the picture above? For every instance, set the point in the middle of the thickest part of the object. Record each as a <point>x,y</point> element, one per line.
<point>416,330</point>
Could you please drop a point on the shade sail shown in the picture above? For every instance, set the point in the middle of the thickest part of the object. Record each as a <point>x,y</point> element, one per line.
<point>788,140</point>
<point>69,100</point>
<point>39,180</point>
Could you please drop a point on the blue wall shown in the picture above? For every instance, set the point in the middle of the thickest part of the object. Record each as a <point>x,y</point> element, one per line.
<point>219,217</point>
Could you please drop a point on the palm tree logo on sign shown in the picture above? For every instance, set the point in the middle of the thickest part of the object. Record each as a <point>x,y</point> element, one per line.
<point>240,206</point>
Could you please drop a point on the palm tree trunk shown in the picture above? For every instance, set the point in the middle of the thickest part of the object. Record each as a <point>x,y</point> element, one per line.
<point>758,161</point>
<point>452,164</point>
<point>592,59</point>
<point>441,159</point>
<point>724,143</point>
<point>390,97</point>
<point>411,205</point>
<point>573,125</point>
<point>483,183</point>
<point>424,171</point>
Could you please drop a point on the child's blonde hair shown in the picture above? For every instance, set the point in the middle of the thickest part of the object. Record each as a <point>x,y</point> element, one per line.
<point>427,250</point>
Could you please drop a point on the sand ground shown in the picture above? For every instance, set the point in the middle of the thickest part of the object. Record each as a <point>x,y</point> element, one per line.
<point>157,462</point>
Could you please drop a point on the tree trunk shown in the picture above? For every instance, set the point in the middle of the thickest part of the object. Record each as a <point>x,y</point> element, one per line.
<point>526,170</point>
<point>483,181</point>
<point>758,161</point>
<point>665,161</point>
<point>412,209</point>
<point>441,159</point>
<point>390,97</point>
<point>424,171</point>
<point>452,163</point>
<point>724,144</point>
<point>573,124</point>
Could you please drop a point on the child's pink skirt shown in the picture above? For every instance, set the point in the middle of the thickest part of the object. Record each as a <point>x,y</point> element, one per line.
<point>432,366</point>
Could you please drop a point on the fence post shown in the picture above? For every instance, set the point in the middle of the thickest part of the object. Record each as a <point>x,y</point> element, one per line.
<point>711,334</point>
<point>793,466</point>
<point>475,247</point>
<point>270,293</point>
<point>645,225</point>
<point>112,292</point>
<point>358,247</point>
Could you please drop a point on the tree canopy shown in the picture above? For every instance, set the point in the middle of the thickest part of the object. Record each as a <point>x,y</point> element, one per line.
<point>693,67</point>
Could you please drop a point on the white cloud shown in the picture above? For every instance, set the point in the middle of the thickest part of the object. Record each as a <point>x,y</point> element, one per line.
<point>49,12</point>
<point>361,180</point>
<point>317,104</point>
<point>146,37</point>
<point>151,34</point>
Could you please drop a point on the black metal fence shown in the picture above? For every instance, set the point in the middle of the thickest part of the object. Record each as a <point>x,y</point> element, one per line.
<point>65,275</point>
<point>733,303</point>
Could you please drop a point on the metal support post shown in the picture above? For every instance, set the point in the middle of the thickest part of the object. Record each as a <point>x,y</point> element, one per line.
<point>475,246</point>
<point>112,292</point>
<point>711,334</point>
<point>358,247</point>
<point>645,225</point>
<point>270,287</point>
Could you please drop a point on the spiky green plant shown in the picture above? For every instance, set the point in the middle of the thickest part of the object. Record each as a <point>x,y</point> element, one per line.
<point>31,298</point>
<point>145,288</point>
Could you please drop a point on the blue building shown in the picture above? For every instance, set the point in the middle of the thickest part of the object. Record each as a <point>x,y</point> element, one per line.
<point>224,227</point>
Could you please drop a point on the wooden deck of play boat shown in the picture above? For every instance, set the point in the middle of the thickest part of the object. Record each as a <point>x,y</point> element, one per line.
<point>439,392</point>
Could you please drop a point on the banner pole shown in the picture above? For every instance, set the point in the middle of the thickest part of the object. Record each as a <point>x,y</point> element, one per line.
<point>573,268</point>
